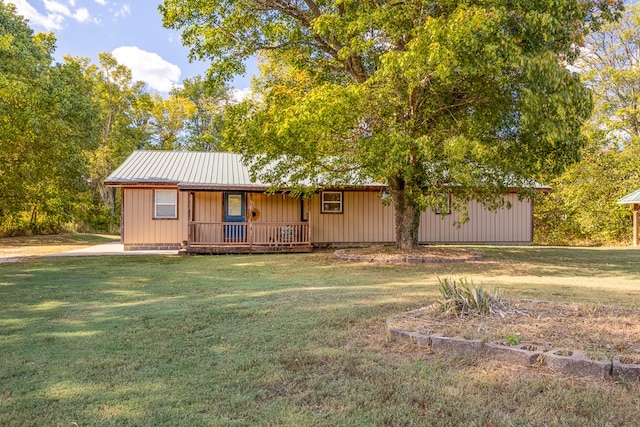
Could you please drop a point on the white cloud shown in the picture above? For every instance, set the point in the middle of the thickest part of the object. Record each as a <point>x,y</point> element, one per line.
<point>55,7</point>
<point>56,14</point>
<point>50,22</point>
<point>72,3</point>
<point>125,10</point>
<point>149,67</point>
<point>82,15</point>
<point>101,2</point>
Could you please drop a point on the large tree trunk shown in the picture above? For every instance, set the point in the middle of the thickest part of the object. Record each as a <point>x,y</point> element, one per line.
<point>407,215</point>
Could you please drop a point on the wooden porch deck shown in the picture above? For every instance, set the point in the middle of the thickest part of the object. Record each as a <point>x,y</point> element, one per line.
<point>248,237</point>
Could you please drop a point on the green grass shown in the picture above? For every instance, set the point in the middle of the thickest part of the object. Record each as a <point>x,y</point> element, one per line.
<point>292,340</point>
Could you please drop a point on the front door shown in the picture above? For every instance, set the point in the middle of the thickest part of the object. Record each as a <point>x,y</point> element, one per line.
<point>234,211</point>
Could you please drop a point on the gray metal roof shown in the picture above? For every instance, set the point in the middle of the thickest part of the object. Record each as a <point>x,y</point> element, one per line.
<point>191,170</point>
<point>187,169</point>
<point>630,198</point>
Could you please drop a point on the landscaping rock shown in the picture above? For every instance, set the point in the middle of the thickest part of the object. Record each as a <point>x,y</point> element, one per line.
<point>413,337</point>
<point>574,363</point>
<point>516,355</point>
<point>567,362</point>
<point>625,372</point>
<point>456,346</point>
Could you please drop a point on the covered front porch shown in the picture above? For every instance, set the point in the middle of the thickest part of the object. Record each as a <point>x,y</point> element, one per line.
<point>246,222</point>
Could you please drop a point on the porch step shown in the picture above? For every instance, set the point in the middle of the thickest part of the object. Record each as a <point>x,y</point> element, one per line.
<point>246,249</point>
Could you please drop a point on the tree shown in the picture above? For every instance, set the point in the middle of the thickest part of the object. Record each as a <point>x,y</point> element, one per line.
<point>125,112</point>
<point>583,206</point>
<point>431,97</point>
<point>47,125</point>
<point>204,126</point>
<point>168,121</point>
<point>610,66</point>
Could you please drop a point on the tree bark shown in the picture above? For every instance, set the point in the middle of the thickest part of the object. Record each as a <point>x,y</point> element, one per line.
<point>407,215</point>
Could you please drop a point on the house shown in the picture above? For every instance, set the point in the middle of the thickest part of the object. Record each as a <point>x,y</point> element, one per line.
<point>633,199</point>
<point>208,203</point>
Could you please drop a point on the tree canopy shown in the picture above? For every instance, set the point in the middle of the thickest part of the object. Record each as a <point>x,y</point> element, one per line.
<point>64,127</point>
<point>583,207</point>
<point>432,97</point>
<point>47,123</point>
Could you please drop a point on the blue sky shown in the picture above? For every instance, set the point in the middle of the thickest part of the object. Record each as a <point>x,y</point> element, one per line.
<point>131,30</point>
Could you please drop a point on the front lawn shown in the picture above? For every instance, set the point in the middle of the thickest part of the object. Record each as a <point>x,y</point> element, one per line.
<point>293,340</point>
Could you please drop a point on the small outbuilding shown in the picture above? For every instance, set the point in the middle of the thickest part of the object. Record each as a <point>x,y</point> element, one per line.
<point>207,202</point>
<point>633,199</point>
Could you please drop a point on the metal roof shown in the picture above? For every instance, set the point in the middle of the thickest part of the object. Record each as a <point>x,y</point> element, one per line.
<point>184,168</point>
<point>630,198</point>
<point>191,170</point>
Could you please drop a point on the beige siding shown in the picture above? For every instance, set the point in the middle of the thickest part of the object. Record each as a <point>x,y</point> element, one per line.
<point>502,226</point>
<point>275,207</point>
<point>140,229</point>
<point>366,220</point>
<point>207,207</point>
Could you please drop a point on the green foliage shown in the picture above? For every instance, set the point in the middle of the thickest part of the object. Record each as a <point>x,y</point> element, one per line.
<point>203,127</point>
<point>461,297</point>
<point>512,339</point>
<point>419,95</point>
<point>125,112</point>
<point>582,209</point>
<point>47,128</point>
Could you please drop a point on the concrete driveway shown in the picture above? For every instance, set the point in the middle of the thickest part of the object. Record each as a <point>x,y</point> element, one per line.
<point>104,249</point>
<point>111,248</point>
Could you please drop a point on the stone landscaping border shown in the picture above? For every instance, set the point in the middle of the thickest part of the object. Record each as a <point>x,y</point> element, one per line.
<point>563,361</point>
<point>399,259</point>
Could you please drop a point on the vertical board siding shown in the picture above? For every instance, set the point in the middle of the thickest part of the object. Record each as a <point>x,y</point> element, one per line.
<point>484,226</point>
<point>275,207</point>
<point>207,207</point>
<point>365,219</point>
<point>139,226</point>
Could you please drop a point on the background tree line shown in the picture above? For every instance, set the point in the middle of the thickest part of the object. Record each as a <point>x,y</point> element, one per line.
<point>582,209</point>
<point>65,126</point>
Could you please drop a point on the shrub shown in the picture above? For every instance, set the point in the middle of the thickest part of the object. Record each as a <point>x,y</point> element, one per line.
<point>461,297</point>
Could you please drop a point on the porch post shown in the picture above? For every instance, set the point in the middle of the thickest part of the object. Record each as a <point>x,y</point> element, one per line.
<point>250,231</point>
<point>190,218</point>
<point>122,215</point>
<point>636,210</point>
<point>309,228</point>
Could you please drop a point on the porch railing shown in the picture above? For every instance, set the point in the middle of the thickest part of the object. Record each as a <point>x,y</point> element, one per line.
<point>249,233</point>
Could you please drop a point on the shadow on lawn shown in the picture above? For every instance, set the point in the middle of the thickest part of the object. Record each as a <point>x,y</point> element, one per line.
<point>165,340</point>
<point>561,261</point>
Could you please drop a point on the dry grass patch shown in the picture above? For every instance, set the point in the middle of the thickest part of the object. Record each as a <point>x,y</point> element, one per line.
<point>389,254</point>
<point>29,246</point>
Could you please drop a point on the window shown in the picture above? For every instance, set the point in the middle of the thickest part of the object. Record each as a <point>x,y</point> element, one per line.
<point>235,205</point>
<point>166,204</point>
<point>331,201</point>
<point>444,206</point>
